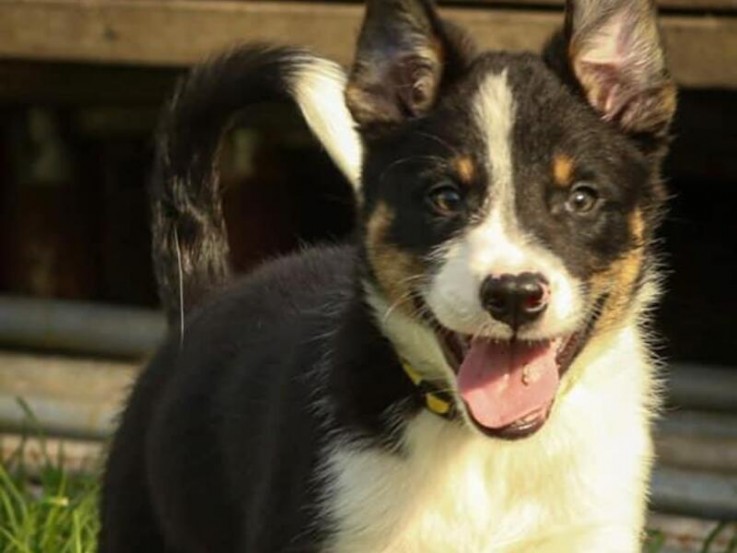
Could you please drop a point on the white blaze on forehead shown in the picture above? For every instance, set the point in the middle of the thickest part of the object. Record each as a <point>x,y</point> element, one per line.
<point>494,110</point>
<point>498,244</point>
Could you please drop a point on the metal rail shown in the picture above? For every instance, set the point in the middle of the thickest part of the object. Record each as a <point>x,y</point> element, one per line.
<point>80,327</point>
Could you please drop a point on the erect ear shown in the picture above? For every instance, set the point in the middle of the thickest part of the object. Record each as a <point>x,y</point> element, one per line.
<point>615,53</point>
<point>401,58</point>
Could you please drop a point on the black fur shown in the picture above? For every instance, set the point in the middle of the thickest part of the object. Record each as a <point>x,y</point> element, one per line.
<point>228,459</point>
<point>187,222</point>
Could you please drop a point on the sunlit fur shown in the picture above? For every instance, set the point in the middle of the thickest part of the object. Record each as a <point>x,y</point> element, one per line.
<point>318,90</point>
<point>578,485</point>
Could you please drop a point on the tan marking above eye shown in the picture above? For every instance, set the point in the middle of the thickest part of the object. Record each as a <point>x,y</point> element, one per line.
<point>563,170</point>
<point>465,169</point>
<point>394,268</point>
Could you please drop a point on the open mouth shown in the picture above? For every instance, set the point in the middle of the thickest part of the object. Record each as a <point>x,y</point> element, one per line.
<point>509,387</point>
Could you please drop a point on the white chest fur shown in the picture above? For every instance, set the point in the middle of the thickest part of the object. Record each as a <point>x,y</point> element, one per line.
<point>577,485</point>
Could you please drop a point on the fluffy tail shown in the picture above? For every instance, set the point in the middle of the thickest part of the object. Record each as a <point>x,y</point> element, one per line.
<point>190,246</point>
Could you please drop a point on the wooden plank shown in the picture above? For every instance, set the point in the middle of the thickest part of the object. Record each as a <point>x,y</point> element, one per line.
<point>165,33</point>
<point>702,49</point>
<point>698,439</point>
<point>68,396</point>
<point>703,387</point>
<point>727,6</point>
<point>63,325</point>
<point>691,493</point>
<point>75,456</point>
<point>716,455</point>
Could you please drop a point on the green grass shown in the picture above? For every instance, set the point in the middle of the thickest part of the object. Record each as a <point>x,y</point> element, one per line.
<point>46,509</point>
<point>49,512</point>
<point>654,541</point>
<point>714,534</point>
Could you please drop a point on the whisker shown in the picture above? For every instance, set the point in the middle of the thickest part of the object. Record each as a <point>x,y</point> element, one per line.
<point>180,275</point>
<point>394,306</point>
<point>409,159</point>
<point>403,297</point>
<point>399,301</point>
<point>440,141</point>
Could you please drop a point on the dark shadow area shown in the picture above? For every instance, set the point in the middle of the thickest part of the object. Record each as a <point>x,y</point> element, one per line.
<point>698,314</point>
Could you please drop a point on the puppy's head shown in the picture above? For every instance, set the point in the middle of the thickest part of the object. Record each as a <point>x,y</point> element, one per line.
<point>508,199</point>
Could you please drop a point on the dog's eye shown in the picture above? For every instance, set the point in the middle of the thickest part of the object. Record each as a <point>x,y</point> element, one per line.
<point>583,198</point>
<point>445,199</point>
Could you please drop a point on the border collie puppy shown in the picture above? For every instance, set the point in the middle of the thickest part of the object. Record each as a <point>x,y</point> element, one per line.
<point>472,373</point>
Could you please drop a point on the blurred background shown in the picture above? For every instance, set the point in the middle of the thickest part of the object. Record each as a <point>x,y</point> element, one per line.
<point>81,84</point>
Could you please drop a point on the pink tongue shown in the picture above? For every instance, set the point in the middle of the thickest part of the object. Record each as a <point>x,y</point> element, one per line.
<point>502,382</point>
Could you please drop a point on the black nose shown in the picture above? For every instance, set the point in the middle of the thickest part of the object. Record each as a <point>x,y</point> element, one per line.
<point>515,299</point>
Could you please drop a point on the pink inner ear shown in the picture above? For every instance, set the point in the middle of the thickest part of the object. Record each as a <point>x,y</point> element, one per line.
<point>609,43</point>
<point>621,68</point>
<point>602,85</point>
<point>418,79</point>
<point>600,62</point>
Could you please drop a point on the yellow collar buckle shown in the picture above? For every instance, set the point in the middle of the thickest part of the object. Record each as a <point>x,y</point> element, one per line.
<point>436,401</point>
